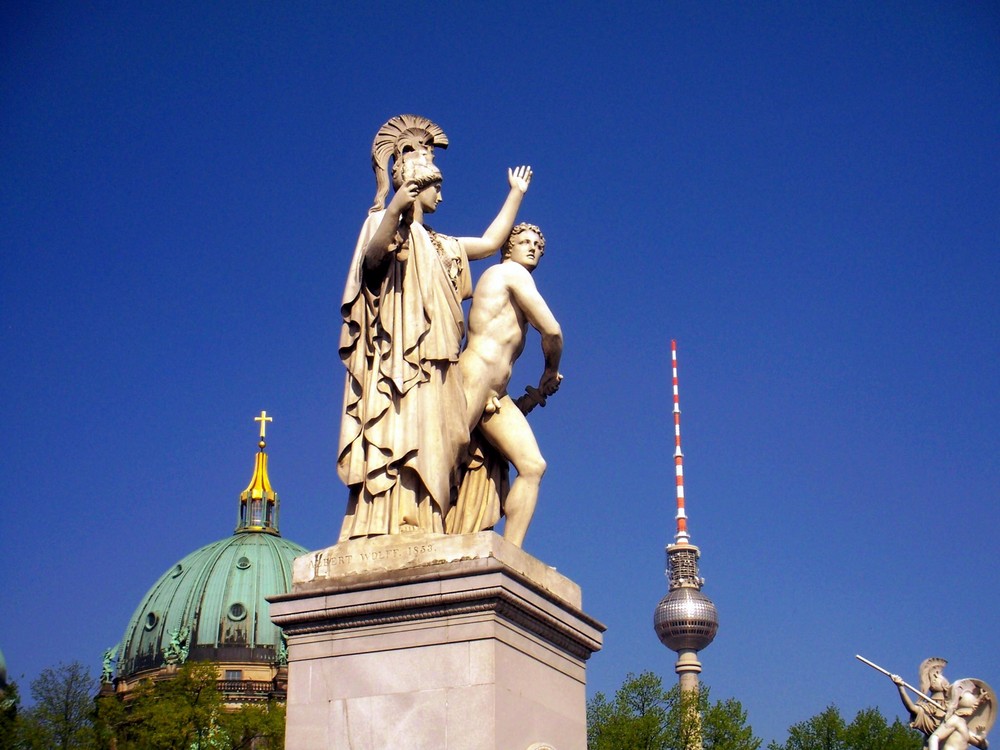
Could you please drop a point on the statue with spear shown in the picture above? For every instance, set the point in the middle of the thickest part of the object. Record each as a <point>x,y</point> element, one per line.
<point>950,716</point>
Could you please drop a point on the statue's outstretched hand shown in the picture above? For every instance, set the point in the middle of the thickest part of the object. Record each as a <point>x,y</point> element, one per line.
<point>519,178</point>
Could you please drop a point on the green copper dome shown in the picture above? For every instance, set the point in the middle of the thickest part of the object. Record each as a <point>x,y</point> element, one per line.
<point>217,592</point>
<point>211,606</point>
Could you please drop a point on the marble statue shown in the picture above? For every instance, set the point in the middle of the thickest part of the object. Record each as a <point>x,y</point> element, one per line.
<point>403,427</point>
<point>505,302</point>
<point>952,716</point>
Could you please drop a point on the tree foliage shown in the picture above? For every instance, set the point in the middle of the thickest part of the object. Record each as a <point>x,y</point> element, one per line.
<point>256,727</point>
<point>61,717</point>
<point>167,714</point>
<point>827,730</point>
<point>187,711</point>
<point>644,716</point>
<point>725,726</point>
<point>10,704</point>
<point>870,730</point>
<point>183,712</point>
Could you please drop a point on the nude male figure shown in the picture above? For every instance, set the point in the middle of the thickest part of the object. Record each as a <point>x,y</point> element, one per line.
<point>506,300</point>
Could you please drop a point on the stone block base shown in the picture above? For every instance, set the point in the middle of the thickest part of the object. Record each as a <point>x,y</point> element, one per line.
<point>434,642</point>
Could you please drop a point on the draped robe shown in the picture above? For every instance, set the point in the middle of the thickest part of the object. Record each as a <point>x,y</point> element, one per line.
<point>403,425</point>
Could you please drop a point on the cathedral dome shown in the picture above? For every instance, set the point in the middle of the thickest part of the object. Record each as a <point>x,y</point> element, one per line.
<point>218,593</point>
<point>212,605</point>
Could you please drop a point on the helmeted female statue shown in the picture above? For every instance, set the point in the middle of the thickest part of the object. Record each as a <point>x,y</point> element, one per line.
<point>403,426</point>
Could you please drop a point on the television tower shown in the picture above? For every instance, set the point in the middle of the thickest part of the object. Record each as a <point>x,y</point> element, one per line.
<point>685,620</point>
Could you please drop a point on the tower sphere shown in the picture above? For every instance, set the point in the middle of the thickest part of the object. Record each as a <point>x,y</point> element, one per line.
<point>686,619</point>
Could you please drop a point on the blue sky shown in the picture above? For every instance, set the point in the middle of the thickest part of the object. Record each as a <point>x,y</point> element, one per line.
<point>805,196</point>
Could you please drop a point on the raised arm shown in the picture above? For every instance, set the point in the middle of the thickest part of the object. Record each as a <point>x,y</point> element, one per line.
<point>525,295</point>
<point>498,231</point>
<point>384,238</point>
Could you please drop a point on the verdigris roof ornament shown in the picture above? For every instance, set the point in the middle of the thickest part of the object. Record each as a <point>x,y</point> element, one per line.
<point>402,135</point>
<point>107,671</point>
<point>176,651</point>
<point>281,658</point>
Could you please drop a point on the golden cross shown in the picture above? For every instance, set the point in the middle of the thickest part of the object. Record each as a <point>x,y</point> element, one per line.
<point>263,419</point>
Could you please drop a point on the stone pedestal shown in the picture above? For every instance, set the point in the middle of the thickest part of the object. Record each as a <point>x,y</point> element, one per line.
<point>434,642</point>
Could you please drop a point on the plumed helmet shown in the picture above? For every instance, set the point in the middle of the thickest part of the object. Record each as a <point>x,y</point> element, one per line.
<point>402,135</point>
<point>933,664</point>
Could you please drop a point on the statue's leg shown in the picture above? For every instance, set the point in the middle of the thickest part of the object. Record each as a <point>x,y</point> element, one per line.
<point>509,432</point>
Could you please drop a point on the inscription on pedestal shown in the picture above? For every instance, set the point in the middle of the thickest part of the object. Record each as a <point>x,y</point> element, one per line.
<point>405,552</point>
<point>368,555</point>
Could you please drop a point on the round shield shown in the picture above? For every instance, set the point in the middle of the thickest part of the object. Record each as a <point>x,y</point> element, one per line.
<point>981,720</point>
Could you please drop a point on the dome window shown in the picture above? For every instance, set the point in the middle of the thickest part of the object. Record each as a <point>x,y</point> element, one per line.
<point>151,620</point>
<point>178,569</point>
<point>237,612</point>
<point>243,563</point>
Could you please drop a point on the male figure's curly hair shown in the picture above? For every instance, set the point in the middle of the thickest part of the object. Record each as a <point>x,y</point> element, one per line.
<point>519,229</point>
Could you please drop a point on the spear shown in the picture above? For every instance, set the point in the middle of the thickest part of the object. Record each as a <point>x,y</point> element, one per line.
<point>905,684</point>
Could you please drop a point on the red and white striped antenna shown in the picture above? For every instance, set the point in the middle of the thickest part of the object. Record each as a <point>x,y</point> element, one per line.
<point>682,536</point>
